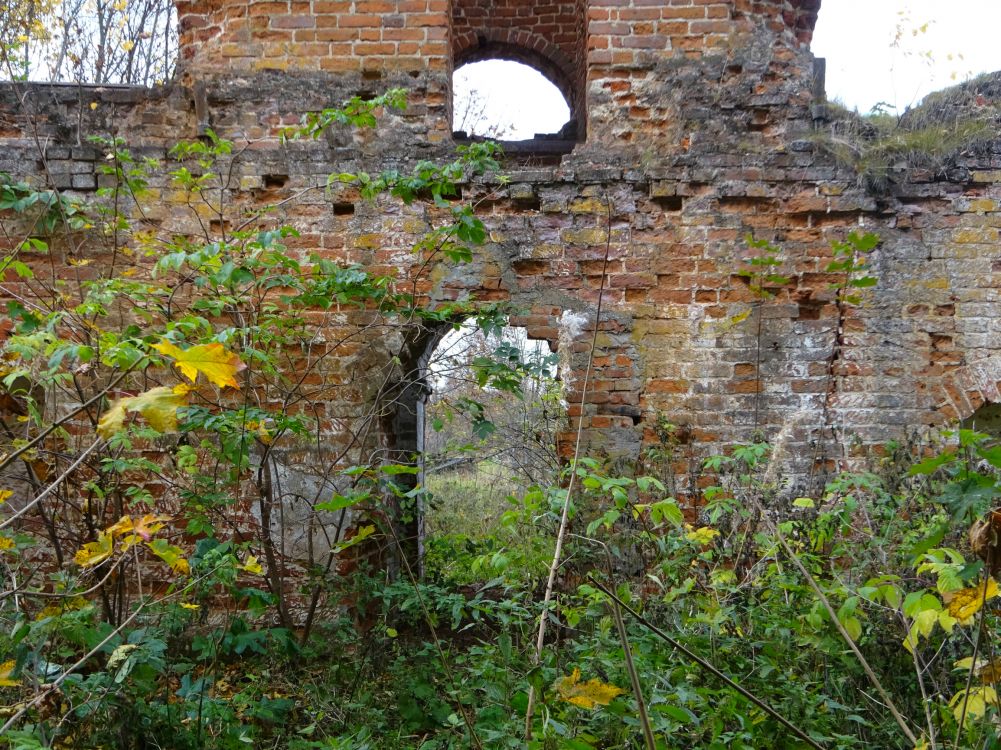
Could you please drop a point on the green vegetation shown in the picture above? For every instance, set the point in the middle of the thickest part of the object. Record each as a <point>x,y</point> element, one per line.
<point>148,408</point>
<point>879,146</point>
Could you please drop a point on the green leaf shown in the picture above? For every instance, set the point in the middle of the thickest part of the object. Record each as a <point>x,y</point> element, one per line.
<point>969,498</point>
<point>339,502</point>
<point>396,469</point>
<point>931,465</point>
<point>991,455</point>
<point>483,428</point>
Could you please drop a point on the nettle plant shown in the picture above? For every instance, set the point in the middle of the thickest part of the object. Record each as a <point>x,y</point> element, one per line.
<point>151,382</point>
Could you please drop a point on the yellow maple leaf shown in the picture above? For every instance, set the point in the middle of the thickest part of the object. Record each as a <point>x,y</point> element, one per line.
<point>586,694</point>
<point>122,526</point>
<point>252,566</point>
<point>6,670</point>
<point>965,603</point>
<point>93,553</point>
<point>149,524</point>
<point>211,360</point>
<point>158,406</point>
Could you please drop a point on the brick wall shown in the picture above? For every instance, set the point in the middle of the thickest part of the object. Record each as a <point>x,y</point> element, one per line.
<point>700,132</point>
<point>334,35</point>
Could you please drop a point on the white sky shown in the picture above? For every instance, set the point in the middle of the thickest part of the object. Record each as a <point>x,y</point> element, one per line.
<point>864,65</point>
<point>520,98</point>
<point>864,68</point>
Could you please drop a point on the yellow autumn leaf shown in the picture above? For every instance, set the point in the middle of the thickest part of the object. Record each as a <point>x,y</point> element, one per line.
<point>211,360</point>
<point>703,536</point>
<point>149,524</point>
<point>989,672</point>
<point>93,553</point>
<point>586,694</point>
<point>252,566</point>
<point>5,495</point>
<point>122,526</point>
<point>61,608</point>
<point>6,670</point>
<point>189,605</point>
<point>965,603</point>
<point>157,406</point>
<point>170,554</point>
<point>260,430</point>
<point>974,701</point>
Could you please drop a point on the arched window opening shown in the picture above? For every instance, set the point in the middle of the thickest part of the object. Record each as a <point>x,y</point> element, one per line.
<point>491,418</point>
<point>986,419</point>
<point>92,41</point>
<point>508,101</point>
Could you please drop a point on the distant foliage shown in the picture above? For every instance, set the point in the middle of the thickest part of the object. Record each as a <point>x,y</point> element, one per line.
<point>90,41</point>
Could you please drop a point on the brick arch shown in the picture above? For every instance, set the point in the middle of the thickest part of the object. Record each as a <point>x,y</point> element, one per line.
<point>958,394</point>
<point>528,48</point>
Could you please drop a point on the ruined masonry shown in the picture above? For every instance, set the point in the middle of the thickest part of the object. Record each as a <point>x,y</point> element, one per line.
<point>692,127</point>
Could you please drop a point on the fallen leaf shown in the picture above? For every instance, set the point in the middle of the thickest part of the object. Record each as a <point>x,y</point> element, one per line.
<point>586,694</point>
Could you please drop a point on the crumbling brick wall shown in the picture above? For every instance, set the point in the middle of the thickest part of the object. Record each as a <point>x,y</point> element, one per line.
<point>699,131</point>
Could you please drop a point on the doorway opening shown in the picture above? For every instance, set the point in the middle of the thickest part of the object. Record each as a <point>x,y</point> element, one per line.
<point>493,410</point>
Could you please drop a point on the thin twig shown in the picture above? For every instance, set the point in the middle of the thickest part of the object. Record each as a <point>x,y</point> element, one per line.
<point>634,677</point>
<point>72,467</point>
<point>11,457</point>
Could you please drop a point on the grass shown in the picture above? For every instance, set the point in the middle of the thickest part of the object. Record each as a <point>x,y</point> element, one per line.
<point>469,501</point>
<point>879,147</point>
